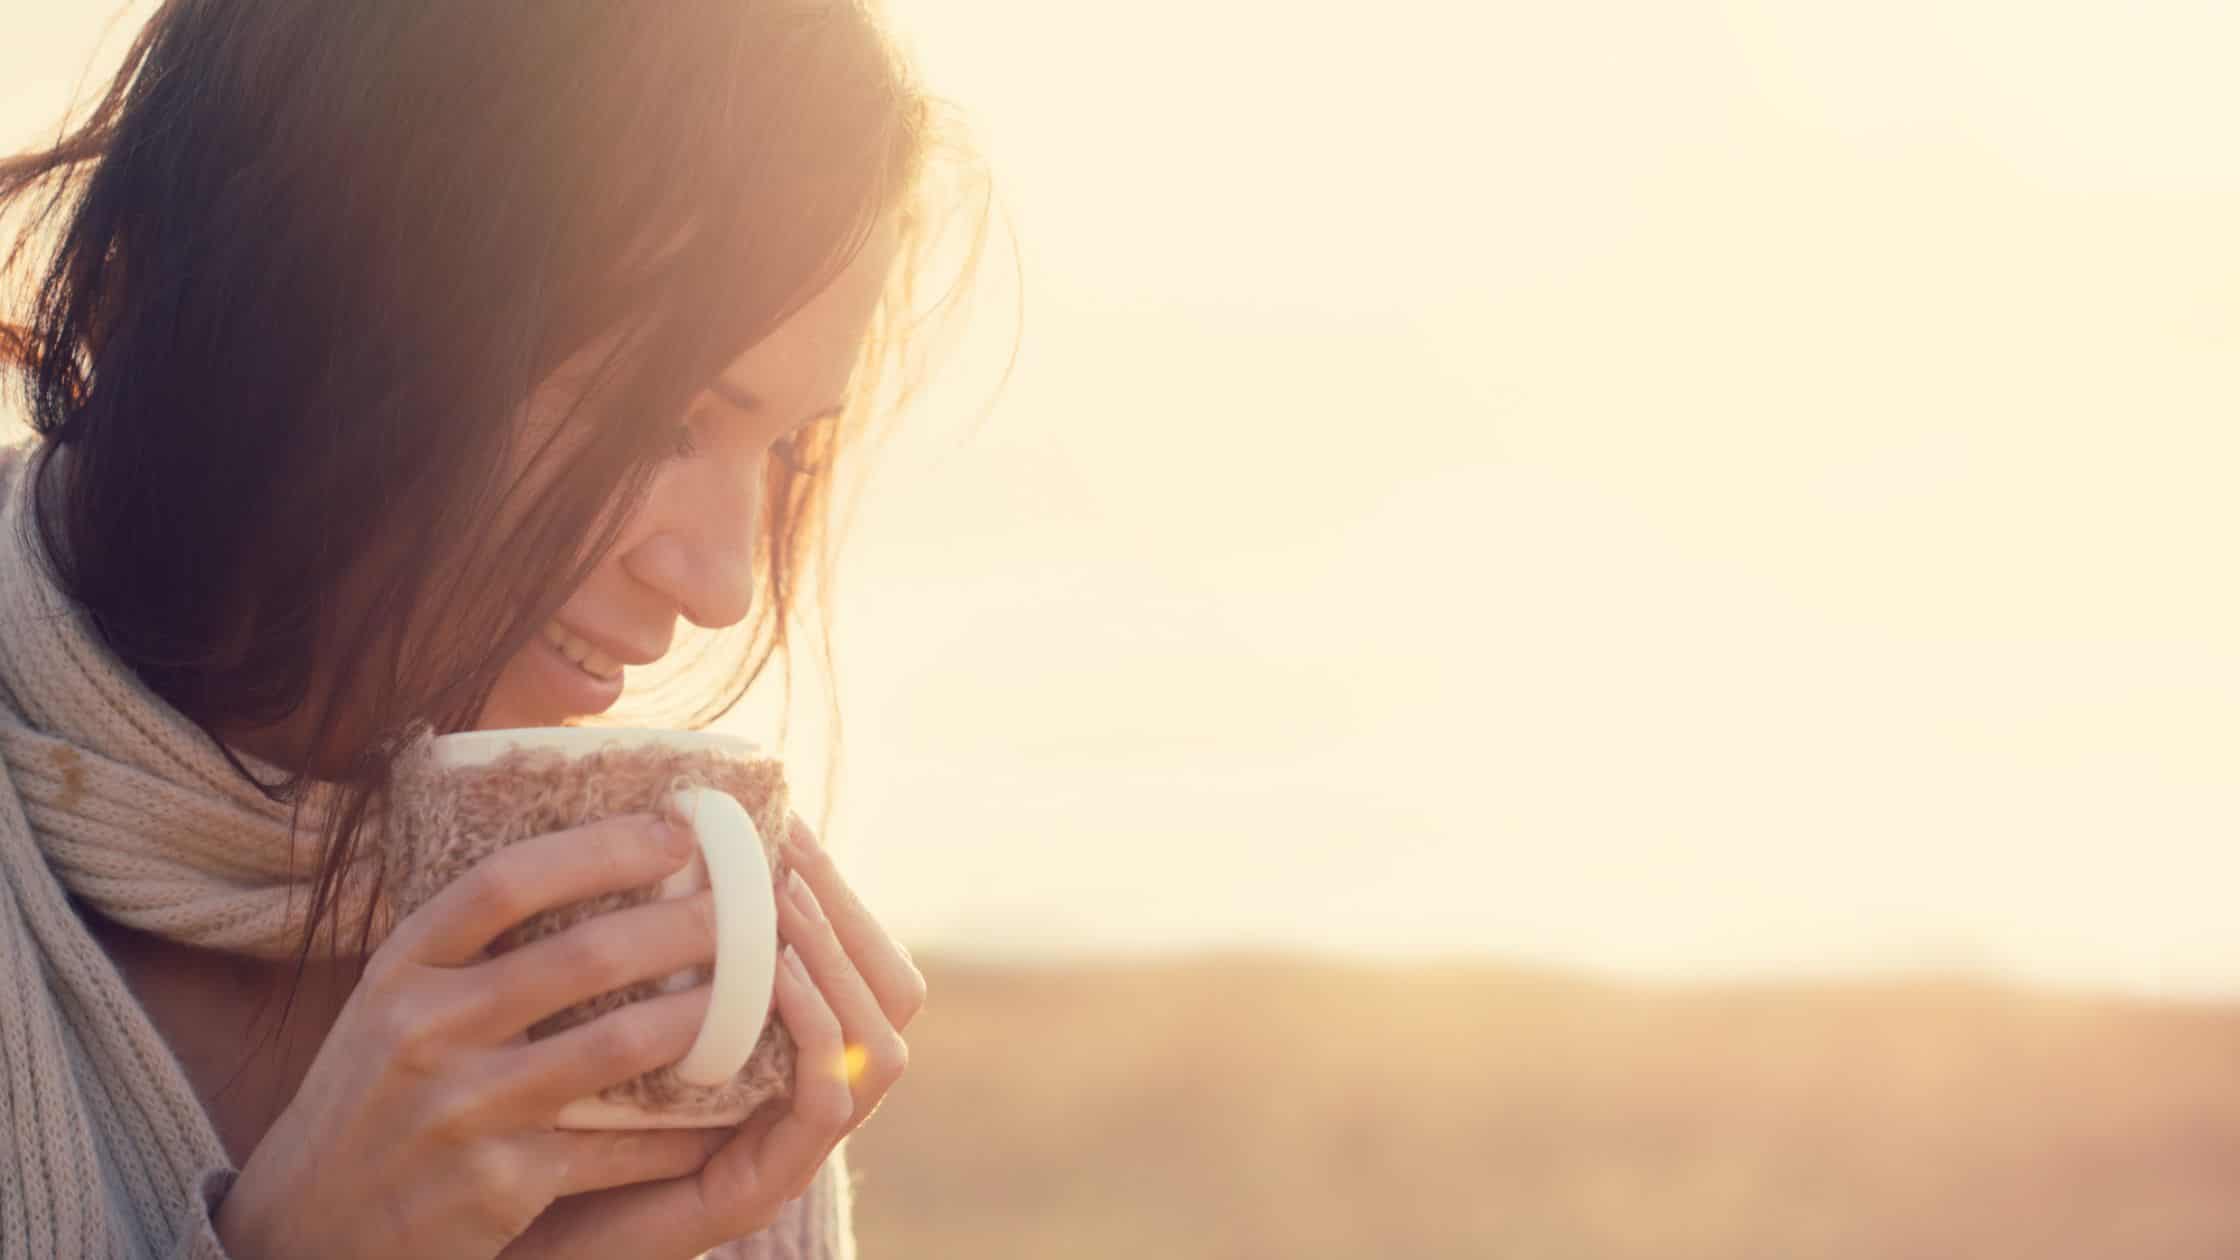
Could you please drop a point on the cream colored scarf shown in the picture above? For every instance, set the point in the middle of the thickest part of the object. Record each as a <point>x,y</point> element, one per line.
<point>113,798</point>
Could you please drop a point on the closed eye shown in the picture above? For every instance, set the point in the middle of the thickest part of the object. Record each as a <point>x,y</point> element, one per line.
<point>787,451</point>
<point>683,444</point>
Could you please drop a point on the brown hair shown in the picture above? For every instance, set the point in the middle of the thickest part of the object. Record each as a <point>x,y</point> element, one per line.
<point>311,259</point>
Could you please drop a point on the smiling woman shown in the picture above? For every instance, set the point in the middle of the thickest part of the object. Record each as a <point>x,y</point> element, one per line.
<point>397,368</point>
<point>688,548</point>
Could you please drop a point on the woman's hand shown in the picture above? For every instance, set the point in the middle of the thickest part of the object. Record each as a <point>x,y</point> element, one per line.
<point>422,1130</point>
<point>848,1028</point>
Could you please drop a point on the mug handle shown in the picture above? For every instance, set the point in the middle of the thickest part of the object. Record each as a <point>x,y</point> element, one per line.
<point>746,957</point>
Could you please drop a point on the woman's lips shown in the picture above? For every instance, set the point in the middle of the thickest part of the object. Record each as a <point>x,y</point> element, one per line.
<point>567,689</point>
<point>581,654</point>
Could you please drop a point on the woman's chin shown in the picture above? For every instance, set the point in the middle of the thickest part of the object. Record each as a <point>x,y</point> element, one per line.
<point>501,715</point>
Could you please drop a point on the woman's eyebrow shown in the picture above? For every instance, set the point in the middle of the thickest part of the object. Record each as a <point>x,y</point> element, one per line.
<point>746,400</point>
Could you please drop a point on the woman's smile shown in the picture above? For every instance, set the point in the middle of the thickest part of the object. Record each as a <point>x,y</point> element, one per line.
<point>568,678</point>
<point>579,650</point>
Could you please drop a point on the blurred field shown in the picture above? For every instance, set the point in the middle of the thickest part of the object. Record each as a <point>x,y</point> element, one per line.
<point>1244,1108</point>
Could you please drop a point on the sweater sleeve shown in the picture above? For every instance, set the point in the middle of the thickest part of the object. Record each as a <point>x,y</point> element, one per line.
<point>198,1240</point>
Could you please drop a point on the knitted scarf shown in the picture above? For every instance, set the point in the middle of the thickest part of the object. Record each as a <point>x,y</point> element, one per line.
<point>111,797</point>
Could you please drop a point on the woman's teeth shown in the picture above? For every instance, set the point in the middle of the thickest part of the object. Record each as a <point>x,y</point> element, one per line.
<point>587,658</point>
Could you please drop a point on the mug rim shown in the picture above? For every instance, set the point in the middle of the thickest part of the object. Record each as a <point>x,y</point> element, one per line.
<point>463,749</point>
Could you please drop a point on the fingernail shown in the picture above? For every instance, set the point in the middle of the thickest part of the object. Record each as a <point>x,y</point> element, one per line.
<point>798,889</point>
<point>794,964</point>
<point>670,838</point>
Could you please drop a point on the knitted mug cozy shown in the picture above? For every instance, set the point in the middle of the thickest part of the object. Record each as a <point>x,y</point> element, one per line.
<point>447,818</point>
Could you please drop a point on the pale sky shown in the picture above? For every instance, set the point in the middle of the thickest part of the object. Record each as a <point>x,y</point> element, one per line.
<point>1687,489</point>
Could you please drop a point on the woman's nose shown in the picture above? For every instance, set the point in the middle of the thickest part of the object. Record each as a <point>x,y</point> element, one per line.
<point>700,549</point>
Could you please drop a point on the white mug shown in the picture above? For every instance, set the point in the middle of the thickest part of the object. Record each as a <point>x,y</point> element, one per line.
<point>733,863</point>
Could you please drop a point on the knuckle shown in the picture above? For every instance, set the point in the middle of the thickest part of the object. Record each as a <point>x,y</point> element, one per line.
<point>891,1059</point>
<point>626,1043</point>
<point>883,1062</point>
<point>620,843</point>
<point>913,989</point>
<point>454,1118</point>
<point>386,973</point>
<point>595,957</point>
<point>414,1042</point>
<point>500,893</point>
<point>498,1186</point>
<point>485,1169</point>
<point>468,1007</point>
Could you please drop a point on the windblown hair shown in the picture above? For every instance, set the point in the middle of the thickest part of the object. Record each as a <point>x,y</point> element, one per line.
<point>301,265</point>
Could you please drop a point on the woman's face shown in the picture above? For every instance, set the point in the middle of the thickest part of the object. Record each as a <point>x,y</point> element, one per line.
<point>688,551</point>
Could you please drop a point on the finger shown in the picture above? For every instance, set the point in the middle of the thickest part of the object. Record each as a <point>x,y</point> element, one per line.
<point>878,1054</point>
<point>884,965</point>
<point>533,1081</point>
<point>766,1162</point>
<point>598,955</point>
<point>541,873</point>
<point>663,1217</point>
<point>600,1161</point>
<point>668,1217</point>
<point>769,1165</point>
